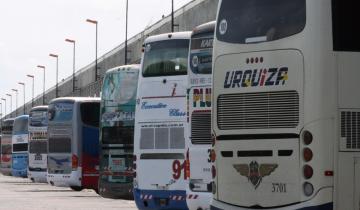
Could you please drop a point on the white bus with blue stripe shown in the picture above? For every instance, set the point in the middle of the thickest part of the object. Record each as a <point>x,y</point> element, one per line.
<point>160,123</point>
<point>286,105</point>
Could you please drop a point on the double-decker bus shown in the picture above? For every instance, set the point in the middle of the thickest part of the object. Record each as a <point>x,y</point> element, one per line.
<point>198,188</point>
<point>160,123</point>
<point>286,111</point>
<point>6,146</point>
<point>117,116</point>
<point>38,125</point>
<point>20,140</point>
<point>73,142</point>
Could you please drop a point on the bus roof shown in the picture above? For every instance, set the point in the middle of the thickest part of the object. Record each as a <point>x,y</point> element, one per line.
<point>167,36</point>
<point>208,27</point>
<point>21,117</point>
<point>125,67</point>
<point>37,108</point>
<point>11,120</point>
<point>76,99</point>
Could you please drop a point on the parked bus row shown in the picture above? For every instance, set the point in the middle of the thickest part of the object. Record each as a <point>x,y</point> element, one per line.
<point>252,111</point>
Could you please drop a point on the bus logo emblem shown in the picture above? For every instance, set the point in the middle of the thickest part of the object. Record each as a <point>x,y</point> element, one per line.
<point>255,172</point>
<point>223,27</point>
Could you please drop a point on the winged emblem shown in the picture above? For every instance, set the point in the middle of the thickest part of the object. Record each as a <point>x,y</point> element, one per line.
<point>255,172</point>
<point>60,161</point>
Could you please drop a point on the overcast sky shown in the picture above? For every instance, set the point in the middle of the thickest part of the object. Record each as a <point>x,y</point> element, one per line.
<point>30,30</point>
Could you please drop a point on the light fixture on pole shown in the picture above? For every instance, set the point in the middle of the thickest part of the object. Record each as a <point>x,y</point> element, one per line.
<point>32,100</point>
<point>10,103</point>
<point>43,68</point>
<point>126,33</point>
<point>57,73</point>
<point>73,42</point>
<point>16,100</point>
<point>23,84</point>
<point>96,45</point>
<point>4,99</point>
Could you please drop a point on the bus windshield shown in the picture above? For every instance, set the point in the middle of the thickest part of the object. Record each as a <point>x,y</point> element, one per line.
<point>20,125</point>
<point>38,118</point>
<point>250,21</point>
<point>120,88</point>
<point>61,112</point>
<point>201,54</point>
<point>166,58</point>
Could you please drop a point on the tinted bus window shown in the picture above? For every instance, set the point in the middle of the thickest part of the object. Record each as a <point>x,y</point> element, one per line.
<point>38,147</point>
<point>38,118</point>
<point>118,135</point>
<point>21,126</point>
<point>201,54</point>
<point>61,112</point>
<point>59,145</point>
<point>345,19</point>
<point>249,21</point>
<point>90,113</point>
<point>166,58</point>
<point>20,147</point>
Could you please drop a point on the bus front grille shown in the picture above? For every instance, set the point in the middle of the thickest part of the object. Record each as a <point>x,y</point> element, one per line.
<point>261,110</point>
<point>201,127</point>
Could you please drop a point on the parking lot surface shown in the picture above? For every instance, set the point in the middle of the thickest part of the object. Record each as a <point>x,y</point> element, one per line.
<point>22,194</point>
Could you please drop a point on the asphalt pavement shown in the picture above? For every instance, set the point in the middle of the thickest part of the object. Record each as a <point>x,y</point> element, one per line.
<point>22,194</point>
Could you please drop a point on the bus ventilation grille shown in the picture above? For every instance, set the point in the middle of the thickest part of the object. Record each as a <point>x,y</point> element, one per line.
<point>201,128</point>
<point>262,110</point>
<point>162,138</point>
<point>350,129</point>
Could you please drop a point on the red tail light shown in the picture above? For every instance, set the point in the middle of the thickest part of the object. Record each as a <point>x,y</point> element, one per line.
<point>212,155</point>
<point>308,171</point>
<point>307,137</point>
<point>187,165</point>
<point>308,154</point>
<point>75,162</point>
<point>213,171</point>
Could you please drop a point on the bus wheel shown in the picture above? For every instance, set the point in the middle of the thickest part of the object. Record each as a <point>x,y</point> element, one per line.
<point>76,188</point>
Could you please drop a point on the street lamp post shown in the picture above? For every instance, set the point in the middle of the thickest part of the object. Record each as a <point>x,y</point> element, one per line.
<point>16,100</point>
<point>32,100</point>
<point>96,45</point>
<point>10,103</point>
<point>57,73</point>
<point>126,32</point>
<point>4,99</point>
<point>43,68</point>
<point>23,84</point>
<point>73,42</point>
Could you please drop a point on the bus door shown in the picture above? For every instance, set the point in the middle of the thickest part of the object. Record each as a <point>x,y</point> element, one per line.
<point>90,113</point>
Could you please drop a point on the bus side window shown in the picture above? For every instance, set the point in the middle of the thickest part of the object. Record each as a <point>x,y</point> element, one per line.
<point>346,19</point>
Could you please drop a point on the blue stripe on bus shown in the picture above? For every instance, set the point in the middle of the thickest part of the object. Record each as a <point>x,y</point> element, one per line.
<point>154,203</point>
<point>327,206</point>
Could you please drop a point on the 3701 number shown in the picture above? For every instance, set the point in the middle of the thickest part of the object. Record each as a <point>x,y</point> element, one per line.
<point>278,188</point>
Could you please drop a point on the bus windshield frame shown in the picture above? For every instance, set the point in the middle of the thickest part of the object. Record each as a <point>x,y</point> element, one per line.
<point>254,21</point>
<point>166,58</point>
<point>61,111</point>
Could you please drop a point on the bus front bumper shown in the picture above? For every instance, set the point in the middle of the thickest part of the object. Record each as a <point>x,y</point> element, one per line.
<point>198,200</point>
<point>321,201</point>
<point>116,190</point>
<point>160,199</point>
<point>36,176</point>
<point>65,180</point>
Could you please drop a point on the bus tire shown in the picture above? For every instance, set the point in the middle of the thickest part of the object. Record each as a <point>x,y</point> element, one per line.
<point>76,188</point>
